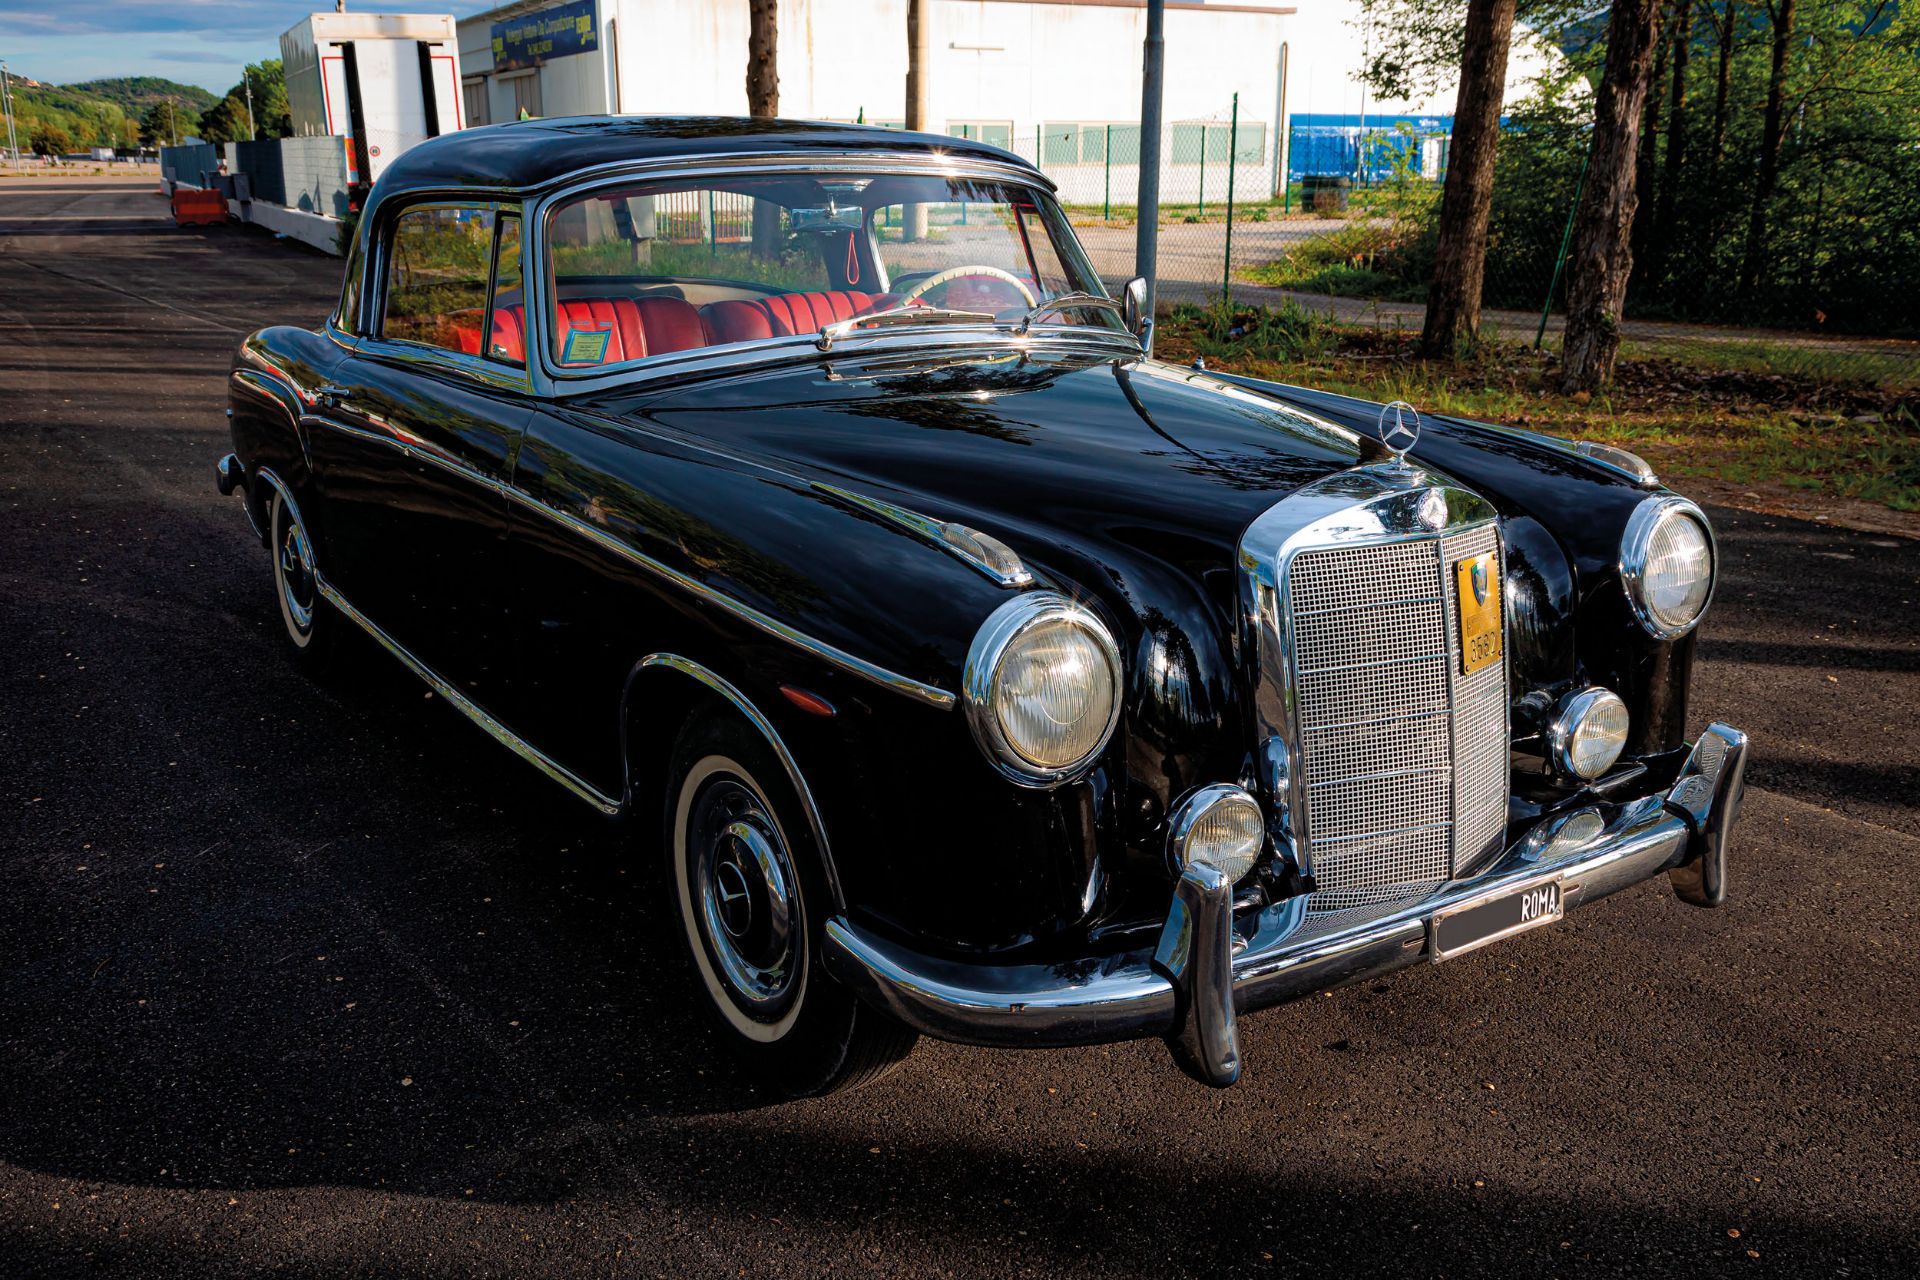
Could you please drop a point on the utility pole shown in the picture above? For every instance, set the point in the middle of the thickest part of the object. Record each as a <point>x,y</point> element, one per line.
<point>246,78</point>
<point>919,39</point>
<point>173,123</point>
<point>6,101</point>
<point>1146,244</point>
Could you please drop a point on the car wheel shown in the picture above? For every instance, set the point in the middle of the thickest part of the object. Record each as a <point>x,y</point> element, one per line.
<point>308,623</point>
<point>753,905</point>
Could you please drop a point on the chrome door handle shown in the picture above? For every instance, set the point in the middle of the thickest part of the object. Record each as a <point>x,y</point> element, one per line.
<point>333,394</point>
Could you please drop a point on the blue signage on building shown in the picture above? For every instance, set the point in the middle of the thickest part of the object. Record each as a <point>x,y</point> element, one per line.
<point>534,38</point>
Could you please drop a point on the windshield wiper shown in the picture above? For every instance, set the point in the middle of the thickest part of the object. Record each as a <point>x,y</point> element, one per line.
<point>905,314</point>
<point>1065,302</point>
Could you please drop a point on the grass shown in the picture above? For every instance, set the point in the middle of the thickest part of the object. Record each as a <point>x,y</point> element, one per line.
<point>1748,426</point>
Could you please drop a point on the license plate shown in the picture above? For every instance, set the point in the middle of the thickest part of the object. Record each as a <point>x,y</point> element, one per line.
<point>1476,585</point>
<point>1475,924</point>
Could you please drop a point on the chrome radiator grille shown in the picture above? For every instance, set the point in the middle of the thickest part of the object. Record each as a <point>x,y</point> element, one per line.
<point>1404,758</point>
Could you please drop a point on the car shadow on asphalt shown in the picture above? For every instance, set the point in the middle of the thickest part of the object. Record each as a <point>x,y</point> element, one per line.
<point>352,941</point>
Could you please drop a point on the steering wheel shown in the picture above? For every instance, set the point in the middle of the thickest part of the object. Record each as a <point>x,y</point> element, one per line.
<point>951,274</point>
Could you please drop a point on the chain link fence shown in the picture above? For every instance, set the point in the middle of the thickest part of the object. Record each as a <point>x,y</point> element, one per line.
<point>1338,215</point>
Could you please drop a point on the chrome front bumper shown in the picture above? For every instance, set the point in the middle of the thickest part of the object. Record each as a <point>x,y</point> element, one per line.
<point>1207,970</point>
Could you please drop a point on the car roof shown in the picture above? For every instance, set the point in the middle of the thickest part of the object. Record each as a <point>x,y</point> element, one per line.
<point>533,153</point>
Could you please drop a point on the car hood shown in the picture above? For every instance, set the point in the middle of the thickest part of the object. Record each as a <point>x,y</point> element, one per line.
<point>1101,473</point>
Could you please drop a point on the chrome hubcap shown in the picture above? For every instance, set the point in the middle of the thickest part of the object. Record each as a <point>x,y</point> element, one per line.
<point>747,893</point>
<point>296,575</point>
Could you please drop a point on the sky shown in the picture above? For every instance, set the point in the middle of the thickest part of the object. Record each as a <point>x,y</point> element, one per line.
<point>203,42</point>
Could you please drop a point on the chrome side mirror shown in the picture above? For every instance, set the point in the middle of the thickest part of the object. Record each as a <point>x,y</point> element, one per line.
<point>1133,301</point>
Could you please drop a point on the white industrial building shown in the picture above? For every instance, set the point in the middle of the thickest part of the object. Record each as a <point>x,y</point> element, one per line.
<point>1033,75</point>
<point>1054,79</point>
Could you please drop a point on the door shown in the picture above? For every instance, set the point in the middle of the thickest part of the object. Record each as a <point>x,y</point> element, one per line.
<point>424,427</point>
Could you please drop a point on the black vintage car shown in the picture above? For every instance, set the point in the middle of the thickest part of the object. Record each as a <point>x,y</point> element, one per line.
<point>798,489</point>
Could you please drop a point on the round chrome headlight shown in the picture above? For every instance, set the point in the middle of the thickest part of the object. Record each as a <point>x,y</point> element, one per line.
<point>1042,688</point>
<point>1667,565</point>
<point>1220,825</point>
<point>1588,733</point>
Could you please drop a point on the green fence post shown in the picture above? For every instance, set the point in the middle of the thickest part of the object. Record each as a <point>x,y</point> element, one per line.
<point>1559,263</point>
<point>1106,204</point>
<point>713,231</point>
<point>1226,266</point>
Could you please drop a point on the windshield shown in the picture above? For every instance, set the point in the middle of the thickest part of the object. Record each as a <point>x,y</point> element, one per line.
<point>666,267</point>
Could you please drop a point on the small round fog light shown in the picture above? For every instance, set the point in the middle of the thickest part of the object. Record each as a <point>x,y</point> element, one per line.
<point>1588,733</point>
<point>1219,825</point>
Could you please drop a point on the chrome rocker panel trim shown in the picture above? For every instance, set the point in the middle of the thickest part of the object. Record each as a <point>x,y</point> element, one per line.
<point>1183,991</point>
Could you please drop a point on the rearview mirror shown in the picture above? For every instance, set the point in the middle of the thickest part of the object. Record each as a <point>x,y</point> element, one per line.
<point>1133,301</point>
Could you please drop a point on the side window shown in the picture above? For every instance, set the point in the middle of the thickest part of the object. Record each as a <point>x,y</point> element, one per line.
<point>437,270</point>
<point>507,325</point>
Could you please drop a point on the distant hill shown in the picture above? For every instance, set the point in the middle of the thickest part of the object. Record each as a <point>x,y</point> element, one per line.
<point>102,113</point>
<point>134,94</point>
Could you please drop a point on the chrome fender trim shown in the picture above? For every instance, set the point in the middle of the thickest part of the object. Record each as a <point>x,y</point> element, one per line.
<point>720,685</point>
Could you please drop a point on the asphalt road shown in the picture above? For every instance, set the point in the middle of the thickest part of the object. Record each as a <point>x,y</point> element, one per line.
<point>316,979</point>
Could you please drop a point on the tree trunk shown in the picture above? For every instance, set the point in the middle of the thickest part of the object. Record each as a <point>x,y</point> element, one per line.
<point>1602,256</point>
<point>1649,156</point>
<point>1665,215</point>
<point>763,102</point>
<point>1771,132</point>
<point>1460,258</point>
<point>919,36</point>
<point>1722,85</point>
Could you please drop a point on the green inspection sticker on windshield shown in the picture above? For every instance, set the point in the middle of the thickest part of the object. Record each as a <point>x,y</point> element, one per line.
<point>586,346</point>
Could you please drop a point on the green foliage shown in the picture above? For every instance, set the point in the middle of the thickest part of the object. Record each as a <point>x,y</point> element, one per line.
<point>165,122</point>
<point>48,139</point>
<point>1282,334</point>
<point>134,94</point>
<point>1387,254</point>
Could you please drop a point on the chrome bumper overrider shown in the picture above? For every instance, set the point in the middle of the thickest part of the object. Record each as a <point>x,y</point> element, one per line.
<point>1208,969</point>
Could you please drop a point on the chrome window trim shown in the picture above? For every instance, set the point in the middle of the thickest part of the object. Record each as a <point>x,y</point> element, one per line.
<point>765,353</point>
<point>1364,506</point>
<point>1634,545</point>
<point>492,373</point>
<point>984,656</point>
<point>561,380</point>
<point>373,292</point>
<point>930,694</point>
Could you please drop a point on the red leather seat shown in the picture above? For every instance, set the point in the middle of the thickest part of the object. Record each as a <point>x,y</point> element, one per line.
<point>636,327</point>
<point>781,315</point>
<point>641,327</point>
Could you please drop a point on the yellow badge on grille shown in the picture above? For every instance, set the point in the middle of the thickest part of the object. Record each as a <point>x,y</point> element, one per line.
<point>1476,585</point>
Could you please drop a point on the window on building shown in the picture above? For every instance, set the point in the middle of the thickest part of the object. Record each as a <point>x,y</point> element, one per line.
<point>1126,144</point>
<point>1059,143</point>
<point>1211,141</point>
<point>473,93</point>
<point>993,133</point>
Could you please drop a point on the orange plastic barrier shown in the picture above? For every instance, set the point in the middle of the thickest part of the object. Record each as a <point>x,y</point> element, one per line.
<point>192,205</point>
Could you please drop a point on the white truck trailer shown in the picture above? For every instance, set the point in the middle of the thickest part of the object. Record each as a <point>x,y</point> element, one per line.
<point>384,81</point>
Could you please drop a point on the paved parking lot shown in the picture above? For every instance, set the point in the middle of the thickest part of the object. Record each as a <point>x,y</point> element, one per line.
<point>316,979</point>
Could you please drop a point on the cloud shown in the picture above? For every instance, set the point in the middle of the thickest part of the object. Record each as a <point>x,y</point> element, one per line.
<point>219,57</point>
